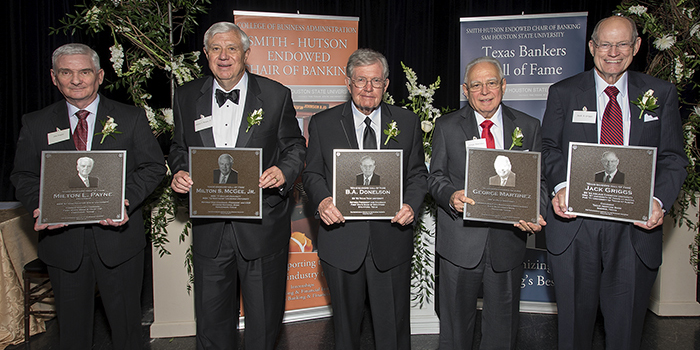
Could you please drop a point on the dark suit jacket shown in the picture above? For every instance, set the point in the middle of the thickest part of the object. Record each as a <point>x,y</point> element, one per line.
<point>283,145</point>
<point>345,245</point>
<point>460,241</point>
<point>496,180</point>
<point>374,181</point>
<point>619,177</point>
<point>77,182</point>
<point>663,133</point>
<point>145,168</point>
<point>232,177</point>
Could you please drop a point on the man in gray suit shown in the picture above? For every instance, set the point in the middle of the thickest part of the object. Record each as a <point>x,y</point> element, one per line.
<point>475,253</point>
<point>212,112</point>
<point>599,262</point>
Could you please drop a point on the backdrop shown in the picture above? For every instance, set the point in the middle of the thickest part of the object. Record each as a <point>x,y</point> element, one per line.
<point>424,34</point>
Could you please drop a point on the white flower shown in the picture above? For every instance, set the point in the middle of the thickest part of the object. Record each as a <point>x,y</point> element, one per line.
<point>637,9</point>
<point>695,30</point>
<point>116,2</point>
<point>696,109</point>
<point>665,42</point>
<point>152,121</point>
<point>117,58</point>
<point>426,126</point>
<point>92,17</point>
<point>168,116</point>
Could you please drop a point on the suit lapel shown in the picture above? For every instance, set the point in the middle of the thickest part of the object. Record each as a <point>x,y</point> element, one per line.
<point>635,88</point>
<point>203,108</point>
<point>61,120</point>
<point>587,98</point>
<point>386,118</point>
<point>347,123</point>
<point>104,111</point>
<point>252,102</point>
<point>508,126</point>
<point>469,127</point>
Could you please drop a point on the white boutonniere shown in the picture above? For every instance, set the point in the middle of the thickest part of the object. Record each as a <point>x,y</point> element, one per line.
<point>109,128</point>
<point>255,118</point>
<point>391,132</point>
<point>646,102</point>
<point>517,137</point>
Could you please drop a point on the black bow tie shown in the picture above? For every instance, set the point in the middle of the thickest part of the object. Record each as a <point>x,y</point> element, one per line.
<point>222,96</point>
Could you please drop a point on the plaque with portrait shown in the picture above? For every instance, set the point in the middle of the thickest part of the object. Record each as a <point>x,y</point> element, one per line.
<point>367,184</point>
<point>505,185</point>
<point>82,187</point>
<point>611,182</point>
<point>226,183</point>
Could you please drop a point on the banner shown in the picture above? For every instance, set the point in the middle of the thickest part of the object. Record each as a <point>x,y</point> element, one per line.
<point>534,50</point>
<point>308,54</point>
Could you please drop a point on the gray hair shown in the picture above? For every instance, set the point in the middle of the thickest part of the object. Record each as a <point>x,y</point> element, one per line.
<point>476,61</point>
<point>633,27</point>
<point>374,162</point>
<point>75,49</point>
<point>87,159</point>
<point>225,27</point>
<point>502,159</point>
<point>366,57</point>
<point>226,156</point>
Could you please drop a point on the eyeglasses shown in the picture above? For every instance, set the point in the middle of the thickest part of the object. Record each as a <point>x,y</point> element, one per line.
<point>491,85</point>
<point>621,46</point>
<point>361,82</point>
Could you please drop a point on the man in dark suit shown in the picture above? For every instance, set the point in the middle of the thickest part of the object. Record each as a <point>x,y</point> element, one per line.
<point>610,174</point>
<point>212,112</point>
<point>366,256</point>
<point>367,177</point>
<point>225,175</point>
<point>111,253</point>
<point>504,176</point>
<point>474,253</point>
<point>599,262</point>
<point>83,179</point>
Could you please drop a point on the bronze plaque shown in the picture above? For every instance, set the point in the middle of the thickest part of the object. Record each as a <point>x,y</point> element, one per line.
<point>225,183</point>
<point>82,187</point>
<point>367,184</point>
<point>504,184</point>
<point>611,182</point>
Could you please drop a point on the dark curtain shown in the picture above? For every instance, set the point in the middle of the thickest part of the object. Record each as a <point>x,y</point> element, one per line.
<point>422,33</point>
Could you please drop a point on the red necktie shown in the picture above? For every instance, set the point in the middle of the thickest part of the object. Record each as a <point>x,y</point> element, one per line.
<point>611,126</point>
<point>486,133</point>
<point>80,135</point>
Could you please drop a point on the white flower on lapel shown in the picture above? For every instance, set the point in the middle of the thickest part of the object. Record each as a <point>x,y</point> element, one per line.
<point>517,137</point>
<point>391,132</point>
<point>255,118</point>
<point>109,128</point>
<point>646,102</point>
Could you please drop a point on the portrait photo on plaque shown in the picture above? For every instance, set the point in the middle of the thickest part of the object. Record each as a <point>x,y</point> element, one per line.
<point>81,187</point>
<point>504,184</point>
<point>225,183</point>
<point>611,182</point>
<point>368,184</point>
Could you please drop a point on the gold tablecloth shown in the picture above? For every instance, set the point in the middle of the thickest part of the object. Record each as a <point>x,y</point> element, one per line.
<point>18,245</point>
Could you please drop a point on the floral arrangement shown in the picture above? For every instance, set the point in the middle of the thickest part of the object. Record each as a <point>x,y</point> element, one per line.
<point>673,28</point>
<point>420,101</point>
<point>145,34</point>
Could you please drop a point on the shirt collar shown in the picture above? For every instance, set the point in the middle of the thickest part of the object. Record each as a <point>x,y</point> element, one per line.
<point>620,84</point>
<point>92,108</point>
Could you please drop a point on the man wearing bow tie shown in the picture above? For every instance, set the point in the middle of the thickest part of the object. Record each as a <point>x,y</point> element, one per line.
<point>254,251</point>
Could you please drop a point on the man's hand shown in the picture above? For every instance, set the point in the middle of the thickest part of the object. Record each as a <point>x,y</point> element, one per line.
<point>181,182</point>
<point>559,204</point>
<point>329,213</point>
<point>271,178</point>
<point>110,222</point>
<point>530,227</point>
<point>39,227</point>
<point>458,199</point>
<point>404,216</point>
<point>656,218</point>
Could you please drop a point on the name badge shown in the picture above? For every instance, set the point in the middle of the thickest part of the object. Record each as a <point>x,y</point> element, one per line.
<point>58,136</point>
<point>584,116</point>
<point>475,143</point>
<point>203,123</point>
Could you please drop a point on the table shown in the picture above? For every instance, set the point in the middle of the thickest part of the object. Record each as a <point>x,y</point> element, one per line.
<point>18,246</point>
